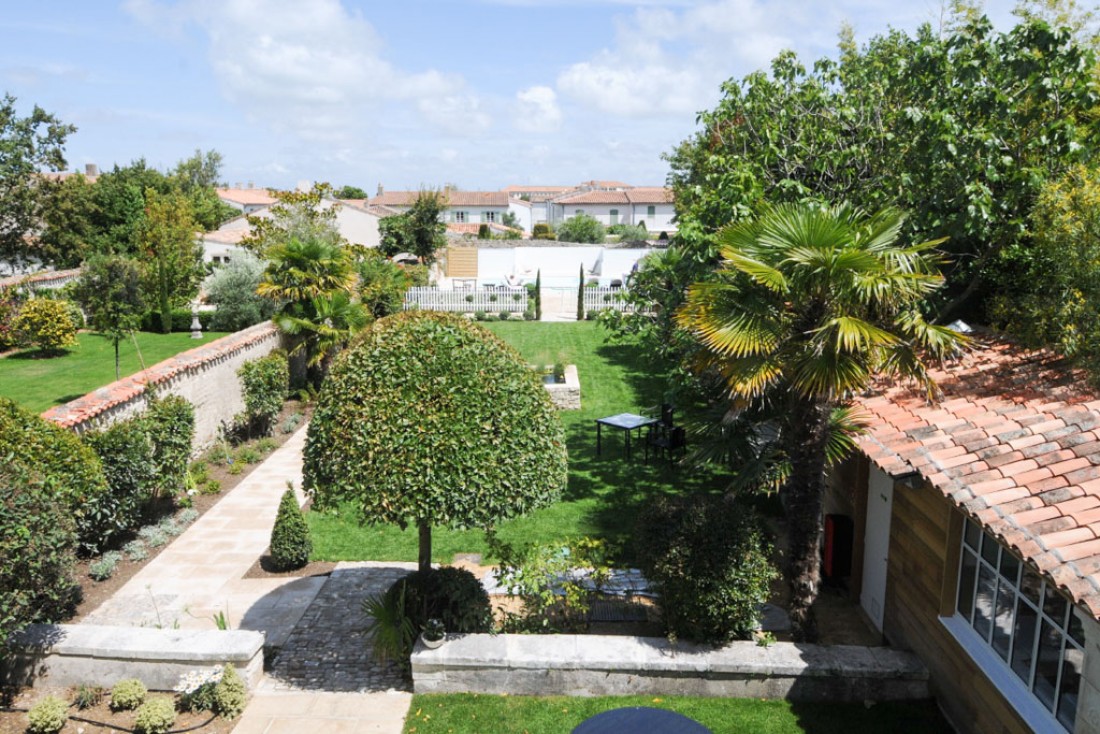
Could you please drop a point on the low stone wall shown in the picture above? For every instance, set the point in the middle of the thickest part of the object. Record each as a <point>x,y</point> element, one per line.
<point>598,665</point>
<point>71,655</point>
<point>49,279</point>
<point>566,395</point>
<point>206,376</point>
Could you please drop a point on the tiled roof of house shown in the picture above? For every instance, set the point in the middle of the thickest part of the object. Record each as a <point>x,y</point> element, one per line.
<point>246,196</point>
<point>454,198</point>
<point>642,195</point>
<point>227,236</point>
<point>605,185</point>
<point>519,190</point>
<point>1015,443</point>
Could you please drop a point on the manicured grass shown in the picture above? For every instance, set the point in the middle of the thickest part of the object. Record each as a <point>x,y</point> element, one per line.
<point>38,383</point>
<point>470,713</point>
<point>604,493</point>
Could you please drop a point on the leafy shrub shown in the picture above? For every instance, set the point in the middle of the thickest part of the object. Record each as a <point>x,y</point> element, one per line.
<point>45,324</point>
<point>37,551</point>
<point>264,384</point>
<point>47,716</point>
<point>483,232</point>
<point>128,694</point>
<point>155,716</point>
<point>291,545</point>
<point>503,316</point>
<point>232,288</point>
<point>480,315</point>
<point>170,421</point>
<point>75,314</point>
<point>210,486</point>
<point>709,560</point>
<point>230,694</point>
<point>126,454</point>
<point>291,423</point>
<point>382,283</point>
<point>247,455</point>
<point>105,566</point>
<point>153,536</point>
<point>265,445</point>
<point>555,582</point>
<point>135,550</point>
<point>542,231</point>
<point>87,696</point>
<point>9,309</point>
<point>454,596</point>
<point>69,467</point>
<point>170,527</point>
<point>581,228</point>
<point>187,516</point>
<point>529,315</point>
<point>196,689</point>
<point>181,320</point>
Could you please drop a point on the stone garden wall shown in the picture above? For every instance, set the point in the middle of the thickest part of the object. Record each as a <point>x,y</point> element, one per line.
<point>206,376</point>
<point>599,665</point>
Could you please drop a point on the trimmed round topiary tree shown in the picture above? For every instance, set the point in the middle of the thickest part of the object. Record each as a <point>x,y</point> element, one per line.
<point>430,419</point>
<point>290,541</point>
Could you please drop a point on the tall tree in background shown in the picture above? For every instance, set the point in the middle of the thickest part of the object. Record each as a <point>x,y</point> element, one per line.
<point>426,227</point>
<point>170,256</point>
<point>197,177</point>
<point>809,303</point>
<point>27,145</point>
<point>68,215</point>
<point>109,290</point>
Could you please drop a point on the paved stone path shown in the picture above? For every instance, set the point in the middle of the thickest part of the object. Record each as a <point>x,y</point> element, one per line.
<point>329,649</point>
<point>324,678</point>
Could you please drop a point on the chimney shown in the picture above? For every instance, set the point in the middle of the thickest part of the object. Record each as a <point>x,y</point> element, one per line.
<point>91,169</point>
<point>380,190</point>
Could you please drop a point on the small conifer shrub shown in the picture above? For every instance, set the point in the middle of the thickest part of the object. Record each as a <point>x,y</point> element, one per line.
<point>290,542</point>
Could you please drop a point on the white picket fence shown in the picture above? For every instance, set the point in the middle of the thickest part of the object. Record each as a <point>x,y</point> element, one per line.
<point>596,299</point>
<point>465,301</point>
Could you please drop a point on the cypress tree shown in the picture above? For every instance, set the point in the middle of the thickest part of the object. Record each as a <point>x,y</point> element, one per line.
<point>580,296</point>
<point>290,541</point>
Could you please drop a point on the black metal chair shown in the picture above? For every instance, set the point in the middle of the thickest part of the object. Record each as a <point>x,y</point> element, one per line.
<point>665,441</point>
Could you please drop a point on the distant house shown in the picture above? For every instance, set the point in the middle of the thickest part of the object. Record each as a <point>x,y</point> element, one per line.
<point>462,207</point>
<point>247,200</point>
<point>357,225</point>
<point>976,537</point>
<point>648,205</point>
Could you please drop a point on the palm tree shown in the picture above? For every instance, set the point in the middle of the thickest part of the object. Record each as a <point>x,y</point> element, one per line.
<point>311,281</point>
<point>808,304</point>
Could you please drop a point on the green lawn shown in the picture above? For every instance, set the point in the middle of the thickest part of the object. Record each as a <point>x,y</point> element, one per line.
<point>39,383</point>
<point>470,713</point>
<point>603,495</point>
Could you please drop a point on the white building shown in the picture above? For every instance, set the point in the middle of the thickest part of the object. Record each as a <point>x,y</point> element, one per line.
<point>247,200</point>
<point>648,205</point>
<point>462,207</point>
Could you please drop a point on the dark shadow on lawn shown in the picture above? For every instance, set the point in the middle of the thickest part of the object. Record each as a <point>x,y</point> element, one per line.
<point>644,375</point>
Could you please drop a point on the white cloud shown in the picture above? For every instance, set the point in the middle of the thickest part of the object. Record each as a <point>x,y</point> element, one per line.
<point>669,61</point>
<point>315,69</point>
<point>537,110</point>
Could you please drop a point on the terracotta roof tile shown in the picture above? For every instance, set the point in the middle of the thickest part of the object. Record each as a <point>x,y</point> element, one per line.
<point>1012,443</point>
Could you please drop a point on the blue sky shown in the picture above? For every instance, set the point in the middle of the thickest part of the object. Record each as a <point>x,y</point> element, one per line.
<point>478,93</point>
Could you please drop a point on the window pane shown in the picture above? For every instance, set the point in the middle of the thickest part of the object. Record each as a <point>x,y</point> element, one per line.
<point>973,535</point>
<point>983,602</point>
<point>1076,631</point>
<point>1010,568</point>
<point>1027,619</point>
<point>967,574</point>
<point>1054,605</point>
<point>1046,669</point>
<point>1031,585</point>
<point>989,549</point>
<point>1072,668</point>
<point>1002,625</point>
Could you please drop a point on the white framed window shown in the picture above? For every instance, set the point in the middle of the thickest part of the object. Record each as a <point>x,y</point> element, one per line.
<point>578,212</point>
<point>460,217</point>
<point>489,216</point>
<point>651,211</point>
<point>614,216</point>
<point>1033,630</point>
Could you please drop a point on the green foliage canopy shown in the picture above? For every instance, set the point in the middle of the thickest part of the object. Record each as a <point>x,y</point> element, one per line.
<point>581,228</point>
<point>428,419</point>
<point>109,289</point>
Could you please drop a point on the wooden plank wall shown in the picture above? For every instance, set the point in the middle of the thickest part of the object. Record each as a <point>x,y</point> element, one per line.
<point>923,562</point>
<point>462,262</point>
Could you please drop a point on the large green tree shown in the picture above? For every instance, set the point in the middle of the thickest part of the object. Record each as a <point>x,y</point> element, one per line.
<point>300,215</point>
<point>109,290</point>
<point>809,303</point>
<point>171,258</point>
<point>197,177</point>
<point>27,145</point>
<point>68,233</point>
<point>428,419</point>
<point>960,129</point>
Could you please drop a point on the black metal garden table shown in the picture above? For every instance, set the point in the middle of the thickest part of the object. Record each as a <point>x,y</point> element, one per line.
<point>625,422</point>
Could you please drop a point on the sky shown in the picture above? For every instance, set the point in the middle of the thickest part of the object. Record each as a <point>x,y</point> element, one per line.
<point>480,94</point>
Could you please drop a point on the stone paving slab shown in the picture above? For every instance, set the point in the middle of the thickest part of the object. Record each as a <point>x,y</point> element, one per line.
<point>322,713</point>
<point>329,650</point>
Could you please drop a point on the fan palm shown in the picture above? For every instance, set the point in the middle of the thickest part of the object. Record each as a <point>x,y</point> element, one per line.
<point>808,304</point>
<point>331,322</point>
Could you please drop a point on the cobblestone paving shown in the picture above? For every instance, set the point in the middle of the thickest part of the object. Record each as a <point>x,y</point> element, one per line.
<point>329,649</point>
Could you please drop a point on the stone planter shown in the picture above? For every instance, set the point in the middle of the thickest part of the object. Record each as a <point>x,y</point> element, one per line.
<point>566,395</point>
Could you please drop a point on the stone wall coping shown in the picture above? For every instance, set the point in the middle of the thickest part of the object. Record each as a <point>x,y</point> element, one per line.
<point>136,643</point>
<point>657,654</point>
<point>48,276</point>
<point>100,401</point>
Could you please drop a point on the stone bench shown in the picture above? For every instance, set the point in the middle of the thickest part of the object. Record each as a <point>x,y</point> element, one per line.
<point>74,654</point>
<point>604,665</point>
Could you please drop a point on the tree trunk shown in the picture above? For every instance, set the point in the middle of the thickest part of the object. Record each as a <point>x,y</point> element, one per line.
<point>117,371</point>
<point>425,559</point>
<point>804,495</point>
